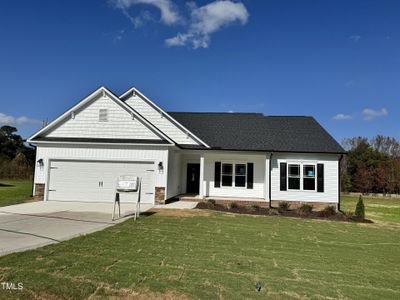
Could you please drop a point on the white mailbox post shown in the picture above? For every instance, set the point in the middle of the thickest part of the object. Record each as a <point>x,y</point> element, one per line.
<point>128,184</point>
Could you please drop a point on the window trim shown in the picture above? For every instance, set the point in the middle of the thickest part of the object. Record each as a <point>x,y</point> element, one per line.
<point>234,174</point>
<point>315,176</point>
<point>245,175</point>
<point>226,174</point>
<point>301,176</point>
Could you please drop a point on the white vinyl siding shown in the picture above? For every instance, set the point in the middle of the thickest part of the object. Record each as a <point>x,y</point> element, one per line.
<point>174,173</point>
<point>331,180</point>
<point>86,123</point>
<point>95,181</point>
<point>103,153</point>
<point>259,161</point>
<point>160,121</point>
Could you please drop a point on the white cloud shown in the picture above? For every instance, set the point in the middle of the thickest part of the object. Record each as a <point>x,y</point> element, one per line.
<point>10,120</point>
<point>349,83</point>
<point>355,38</point>
<point>342,117</point>
<point>370,114</point>
<point>168,10</point>
<point>119,35</point>
<point>208,19</point>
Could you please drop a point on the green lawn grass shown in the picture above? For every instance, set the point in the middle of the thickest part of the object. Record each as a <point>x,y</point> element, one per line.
<point>376,209</point>
<point>210,255</point>
<point>15,191</point>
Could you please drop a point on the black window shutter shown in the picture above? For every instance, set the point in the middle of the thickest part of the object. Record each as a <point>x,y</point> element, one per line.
<point>283,172</point>
<point>320,178</point>
<point>250,175</point>
<point>217,174</point>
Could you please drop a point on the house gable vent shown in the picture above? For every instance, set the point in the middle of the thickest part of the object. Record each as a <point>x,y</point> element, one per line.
<point>103,115</point>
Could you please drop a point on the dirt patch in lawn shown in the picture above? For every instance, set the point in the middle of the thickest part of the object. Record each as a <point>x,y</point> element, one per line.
<point>296,213</point>
<point>167,212</point>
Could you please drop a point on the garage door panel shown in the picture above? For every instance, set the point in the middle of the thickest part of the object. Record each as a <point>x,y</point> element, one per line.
<point>96,181</point>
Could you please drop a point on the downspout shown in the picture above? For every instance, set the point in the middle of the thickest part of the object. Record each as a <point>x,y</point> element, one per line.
<point>339,183</point>
<point>269,180</point>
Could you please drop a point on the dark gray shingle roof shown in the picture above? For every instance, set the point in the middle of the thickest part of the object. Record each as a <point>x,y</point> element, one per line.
<point>253,131</point>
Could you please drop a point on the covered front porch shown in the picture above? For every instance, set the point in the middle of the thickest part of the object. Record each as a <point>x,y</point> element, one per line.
<point>196,175</point>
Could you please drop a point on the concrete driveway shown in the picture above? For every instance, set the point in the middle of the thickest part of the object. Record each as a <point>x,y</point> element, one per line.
<point>32,225</point>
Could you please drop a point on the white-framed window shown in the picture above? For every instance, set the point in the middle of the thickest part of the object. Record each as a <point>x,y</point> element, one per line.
<point>226,174</point>
<point>233,174</point>
<point>293,176</point>
<point>301,176</point>
<point>240,175</point>
<point>309,177</point>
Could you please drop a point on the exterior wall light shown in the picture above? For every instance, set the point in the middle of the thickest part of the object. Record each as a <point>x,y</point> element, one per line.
<point>160,166</point>
<point>40,162</point>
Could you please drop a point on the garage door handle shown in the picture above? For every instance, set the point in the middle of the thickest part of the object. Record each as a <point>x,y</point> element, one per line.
<point>52,190</point>
<point>150,170</point>
<point>149,193</point>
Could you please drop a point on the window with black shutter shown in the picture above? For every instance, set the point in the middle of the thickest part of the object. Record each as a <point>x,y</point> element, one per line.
<point>250,175</point>
<point>217,174</point>
<point>320,178</point>
<point>283,175</point>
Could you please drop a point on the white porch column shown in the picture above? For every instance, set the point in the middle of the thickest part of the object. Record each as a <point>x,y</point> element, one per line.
<point>266,177</point>
<point>201,188</point>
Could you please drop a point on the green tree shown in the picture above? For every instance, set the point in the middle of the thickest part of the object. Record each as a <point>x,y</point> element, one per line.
<point>360,209</point>
<point>10,142</point>
<point>16,159</point>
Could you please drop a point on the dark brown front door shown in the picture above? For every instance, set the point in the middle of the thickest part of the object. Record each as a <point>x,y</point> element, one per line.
<point>193,178</point>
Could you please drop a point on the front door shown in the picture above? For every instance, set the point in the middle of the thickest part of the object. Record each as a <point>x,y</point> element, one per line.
<point>193,178</point>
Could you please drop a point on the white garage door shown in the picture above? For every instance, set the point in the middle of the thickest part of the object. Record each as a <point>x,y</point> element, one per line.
<point>95,181</point>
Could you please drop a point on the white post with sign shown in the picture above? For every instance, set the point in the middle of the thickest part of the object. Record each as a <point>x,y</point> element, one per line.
<point>128,184</point>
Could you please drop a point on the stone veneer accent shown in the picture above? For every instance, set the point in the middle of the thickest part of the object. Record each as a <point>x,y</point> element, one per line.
<point>160,195</point>
<point>39,191</point>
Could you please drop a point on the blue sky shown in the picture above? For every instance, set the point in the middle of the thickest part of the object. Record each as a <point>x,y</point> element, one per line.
<point>338,61</point>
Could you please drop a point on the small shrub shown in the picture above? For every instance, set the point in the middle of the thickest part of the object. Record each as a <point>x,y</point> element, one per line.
<point>360,209</point>
<point>327,211</point>
<point>232,205</point>
<point>283,206</point>
<point>273,212</point>
<point>349,214</point>
<point>253,208</point>
<point>306,209</point>
<point>211,203</point>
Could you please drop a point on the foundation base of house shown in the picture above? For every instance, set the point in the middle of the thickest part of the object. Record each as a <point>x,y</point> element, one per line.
<point>224,200</point>
<point>254,201</point>
<point>39,192</point>
<point>296,204</point>
<point>160,195</point>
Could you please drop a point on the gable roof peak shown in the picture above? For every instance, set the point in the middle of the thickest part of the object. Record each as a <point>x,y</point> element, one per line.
<point>125,95</point>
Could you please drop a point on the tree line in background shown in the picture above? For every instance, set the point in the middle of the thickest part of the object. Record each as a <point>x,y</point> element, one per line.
<point>371,165</point>
<point>16,159</point>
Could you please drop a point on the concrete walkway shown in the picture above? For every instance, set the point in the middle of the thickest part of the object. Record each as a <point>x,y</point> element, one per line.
<point>32,225</point>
